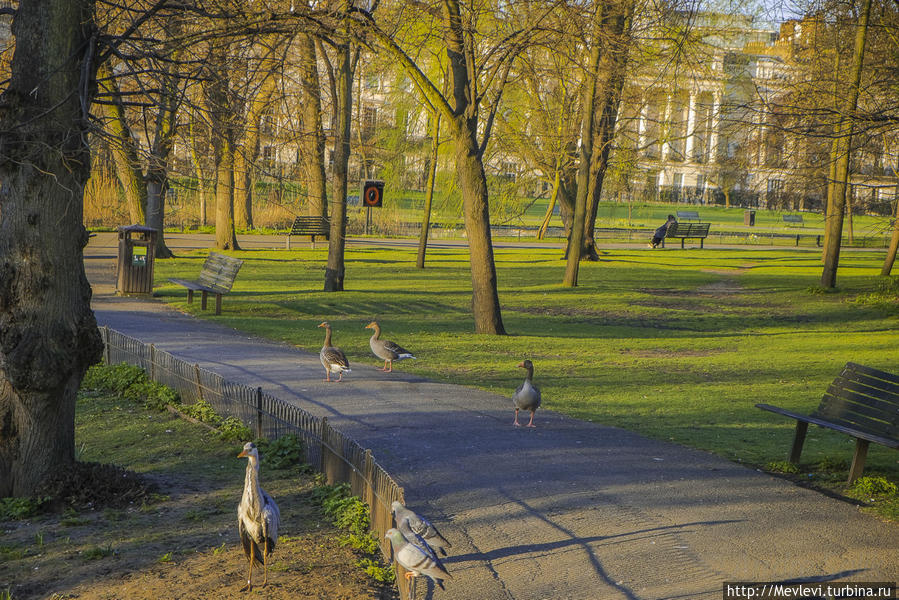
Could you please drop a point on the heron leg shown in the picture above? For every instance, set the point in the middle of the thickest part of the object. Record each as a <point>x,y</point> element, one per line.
<point>249,586</point>
<point>265,562</point>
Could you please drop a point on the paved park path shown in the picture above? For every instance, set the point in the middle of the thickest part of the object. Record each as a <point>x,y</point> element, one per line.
<point>570,510</point>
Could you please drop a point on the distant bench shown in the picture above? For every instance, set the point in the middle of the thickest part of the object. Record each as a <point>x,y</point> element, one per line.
<point>311,226</point>
<point>861,402</point>
<point>216,277</point>
<point>687,215</point>
<point>797,219</point>
<point>686,231</point>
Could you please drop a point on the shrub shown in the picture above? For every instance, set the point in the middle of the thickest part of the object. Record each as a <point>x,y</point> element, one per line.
<point>16,509</point>
<point>286,452</point>
<point>866,488</point>
<point>782,466</point>
<point>232,429</point>
<point>350,513</point>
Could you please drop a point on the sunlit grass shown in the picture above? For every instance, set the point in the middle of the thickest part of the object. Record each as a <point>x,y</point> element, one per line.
<point>677,345</point>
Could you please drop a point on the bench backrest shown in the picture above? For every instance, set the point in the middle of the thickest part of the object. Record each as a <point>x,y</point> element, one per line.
<point>793,218</point>
<point>688,214</point>
<point>687,230</point>
<point>865,399</point>
<point>219,271</point>
<point>307,225</point>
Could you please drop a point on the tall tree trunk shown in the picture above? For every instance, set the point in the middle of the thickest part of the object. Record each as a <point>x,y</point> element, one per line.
<point>225,234</point>
<point>429,193</point>
<point>843,143</point>
<point>334,272</point>
<point>49,334</point>
<point>157,170</point>
<point>585,156</point>
<point>124,148</point>
<point>475,209</point>
<point>612,68</point>
<point>314,136</point>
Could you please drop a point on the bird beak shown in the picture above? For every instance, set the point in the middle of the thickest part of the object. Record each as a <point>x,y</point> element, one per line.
<point>243,454</point>
<point>521,365</point>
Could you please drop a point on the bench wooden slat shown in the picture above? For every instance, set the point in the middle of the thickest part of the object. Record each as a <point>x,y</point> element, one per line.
<point>883,376</point>
<point>690,215</point>
<point>216,277</point>
<point>862,402</point>
<point>848,395</point>
<point>312,226</point>
<point>685,231</point>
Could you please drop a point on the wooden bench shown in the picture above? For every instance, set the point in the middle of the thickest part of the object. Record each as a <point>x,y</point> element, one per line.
<point>861,402</point>
<point>216,277</point>
<point>797,219</point>
<point>311,226</point>
<point>686,231</point>
<point>687,215</point>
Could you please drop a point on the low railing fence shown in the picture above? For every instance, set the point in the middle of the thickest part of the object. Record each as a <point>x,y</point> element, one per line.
<point>329,451</point>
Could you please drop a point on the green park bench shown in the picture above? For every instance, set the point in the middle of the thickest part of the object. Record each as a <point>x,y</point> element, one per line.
<point>794,220</point>
<point>216,277</point>
<point>861,402</point>
<point>688,215</point>
<point>685,231</point>
<point>311,226</point>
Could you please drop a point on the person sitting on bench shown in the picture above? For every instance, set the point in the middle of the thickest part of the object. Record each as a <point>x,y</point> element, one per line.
<point>660,233</point>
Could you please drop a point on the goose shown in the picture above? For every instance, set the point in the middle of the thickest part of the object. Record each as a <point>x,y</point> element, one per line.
<point>333,359</point>
<point>258,517</point>
<point>527,396</point>
<point>385,349</point>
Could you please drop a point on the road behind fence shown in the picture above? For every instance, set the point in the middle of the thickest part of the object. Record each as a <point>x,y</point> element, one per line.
<point>339,457</point>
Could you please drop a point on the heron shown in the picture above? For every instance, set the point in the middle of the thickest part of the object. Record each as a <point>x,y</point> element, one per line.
<point>258,517</point>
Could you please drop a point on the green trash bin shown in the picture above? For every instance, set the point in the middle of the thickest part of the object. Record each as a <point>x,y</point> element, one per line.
<point>134,269</point>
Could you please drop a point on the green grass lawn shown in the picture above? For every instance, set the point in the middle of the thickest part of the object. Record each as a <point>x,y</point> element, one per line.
<point>677,344</point>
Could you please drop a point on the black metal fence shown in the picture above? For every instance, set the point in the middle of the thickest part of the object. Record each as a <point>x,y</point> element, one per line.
<point>328,450</point>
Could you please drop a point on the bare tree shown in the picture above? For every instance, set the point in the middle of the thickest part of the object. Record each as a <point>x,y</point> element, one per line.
<point>478,76</point>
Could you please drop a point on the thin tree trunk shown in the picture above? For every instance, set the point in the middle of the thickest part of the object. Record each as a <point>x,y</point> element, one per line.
<point>585,155</point>
<point>314,155</point>
<point>429,193</point>
<point>834,224</point>
<point>246,155</point>
<point>198,171</point>
<point>157,171</point>
<point>50,335</point>
<point>334,272</point>
<point>124,148</point>
<point>557,179</point>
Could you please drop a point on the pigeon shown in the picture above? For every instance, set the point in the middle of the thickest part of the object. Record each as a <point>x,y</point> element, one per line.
<point>417,558</point>
<point>385,349</point>
<point>409,522</point>
<point>333,359</point>
<point>527,396</point>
